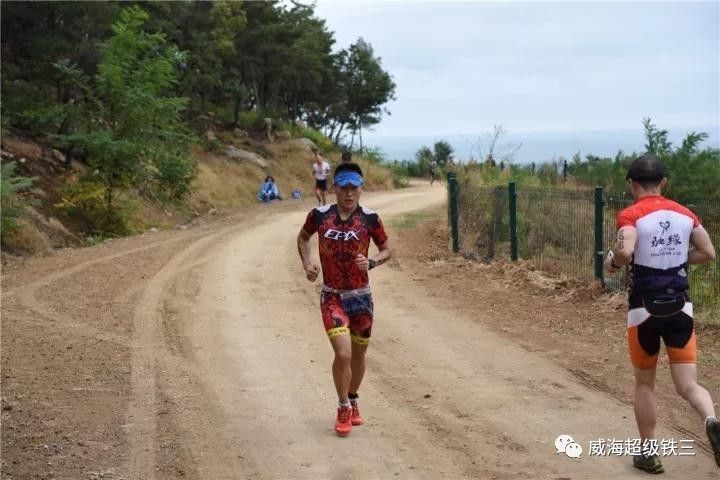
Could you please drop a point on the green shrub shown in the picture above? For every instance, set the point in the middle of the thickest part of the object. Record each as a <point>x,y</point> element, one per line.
<point>251,121</point>
<point>322,142</point>
<point>39,118</point>
<point>86,201</point>
<point>173,176</point>
<point>374,155</point>
<point>400,177</point>
<point>12,204</point>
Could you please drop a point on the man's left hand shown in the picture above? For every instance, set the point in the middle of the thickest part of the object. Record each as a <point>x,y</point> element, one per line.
<point>362,262</point>
<point>609,265</point>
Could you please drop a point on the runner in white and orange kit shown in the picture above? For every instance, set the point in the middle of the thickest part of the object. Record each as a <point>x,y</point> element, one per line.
<point>657,238</point>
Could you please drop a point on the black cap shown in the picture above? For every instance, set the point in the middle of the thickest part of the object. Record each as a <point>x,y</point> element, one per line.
<point>646,167</point>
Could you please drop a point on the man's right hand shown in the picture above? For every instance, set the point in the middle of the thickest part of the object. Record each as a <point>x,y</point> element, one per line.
<point>311,271</point>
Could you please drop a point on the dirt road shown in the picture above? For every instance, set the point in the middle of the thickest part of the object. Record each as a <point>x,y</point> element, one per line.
<point>201,354</point>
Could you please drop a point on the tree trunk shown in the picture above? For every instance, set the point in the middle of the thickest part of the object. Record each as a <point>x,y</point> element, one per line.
<point>108,198</point>
<point>68,156</point>
<point>256,93</point>
<point>337,137</point>
<point>360,136</point>
<point>64,126</point>
<point>266,92</point>
<point>236,112</point>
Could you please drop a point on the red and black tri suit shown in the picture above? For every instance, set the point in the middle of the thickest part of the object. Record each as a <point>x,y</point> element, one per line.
<point>346,302</point>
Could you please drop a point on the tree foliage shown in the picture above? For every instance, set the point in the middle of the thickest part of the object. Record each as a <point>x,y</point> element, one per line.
<point>272,57</point>
<point>693,170</point>
<point>120,82</point>
<point>128,121</point>
<point>367,86</point>
<point>442,151</point>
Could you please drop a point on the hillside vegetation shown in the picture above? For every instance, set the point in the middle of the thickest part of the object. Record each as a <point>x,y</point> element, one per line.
<point>43,220</point>
<point>122,116</point>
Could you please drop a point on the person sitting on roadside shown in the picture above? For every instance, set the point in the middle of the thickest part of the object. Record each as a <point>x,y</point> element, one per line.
<point>269,190</point>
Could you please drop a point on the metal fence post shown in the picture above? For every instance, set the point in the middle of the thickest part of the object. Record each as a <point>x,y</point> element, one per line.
<point>512,200</point>
<point>599,221</point>
<point>453,209</point>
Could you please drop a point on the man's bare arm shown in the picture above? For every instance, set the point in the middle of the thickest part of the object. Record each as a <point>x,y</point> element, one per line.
<point>384,253</point>
<point>703,250</point>
<point>625,246</point>
<point>303,243</point>
<point>621,254</point>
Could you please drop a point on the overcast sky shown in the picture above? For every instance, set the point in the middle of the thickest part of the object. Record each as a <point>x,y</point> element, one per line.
<point>462,67</point>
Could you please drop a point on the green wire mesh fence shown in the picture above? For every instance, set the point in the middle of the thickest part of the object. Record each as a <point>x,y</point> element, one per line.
<point>556,232</point>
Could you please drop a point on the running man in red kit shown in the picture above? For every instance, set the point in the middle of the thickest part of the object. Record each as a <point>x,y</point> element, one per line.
<point>345,230</point>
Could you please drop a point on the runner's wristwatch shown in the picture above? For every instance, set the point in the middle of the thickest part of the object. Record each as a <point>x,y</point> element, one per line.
<point>372,263</point>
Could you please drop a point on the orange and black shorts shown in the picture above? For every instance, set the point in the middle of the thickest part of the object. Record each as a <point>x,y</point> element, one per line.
<point>348,312</point>
<point>674,324</point>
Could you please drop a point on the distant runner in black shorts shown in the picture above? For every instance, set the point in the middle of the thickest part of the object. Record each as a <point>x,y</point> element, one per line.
<point>321,170</point>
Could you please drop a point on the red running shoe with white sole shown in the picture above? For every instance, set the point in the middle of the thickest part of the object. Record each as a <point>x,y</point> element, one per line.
<point>355,417</point>
<point>343,425</point>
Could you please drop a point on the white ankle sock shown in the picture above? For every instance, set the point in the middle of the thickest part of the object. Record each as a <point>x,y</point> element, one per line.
<point>345,404</point>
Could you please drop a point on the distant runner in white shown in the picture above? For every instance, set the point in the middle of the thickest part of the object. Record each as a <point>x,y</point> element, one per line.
<point>321,170</point>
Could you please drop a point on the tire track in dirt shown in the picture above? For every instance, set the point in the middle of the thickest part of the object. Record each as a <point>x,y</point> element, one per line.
<point>27,295</point>
<point>142,412</point>
<point>146,352</point>
<point>55,276</point>
<point>150,350</point>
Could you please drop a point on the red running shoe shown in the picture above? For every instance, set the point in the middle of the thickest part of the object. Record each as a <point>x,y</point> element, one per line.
<point>343,425</point>
<point>355,417</point>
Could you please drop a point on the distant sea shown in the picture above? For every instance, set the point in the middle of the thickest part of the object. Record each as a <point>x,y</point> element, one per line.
<point>536,147</point>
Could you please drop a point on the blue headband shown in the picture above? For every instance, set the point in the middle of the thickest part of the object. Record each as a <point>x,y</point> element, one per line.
<point>348,177</point>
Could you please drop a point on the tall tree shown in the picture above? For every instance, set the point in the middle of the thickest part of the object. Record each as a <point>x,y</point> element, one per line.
<point>657,140</point>
<point>441,151</point>
<point>368,87</point>
<point>306,74</point>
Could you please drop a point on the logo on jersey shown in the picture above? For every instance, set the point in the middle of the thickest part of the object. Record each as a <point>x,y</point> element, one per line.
<point>338,235</point>
<point>660,241</point>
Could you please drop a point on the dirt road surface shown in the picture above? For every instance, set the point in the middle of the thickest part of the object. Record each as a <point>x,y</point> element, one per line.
<point>201,354</point>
